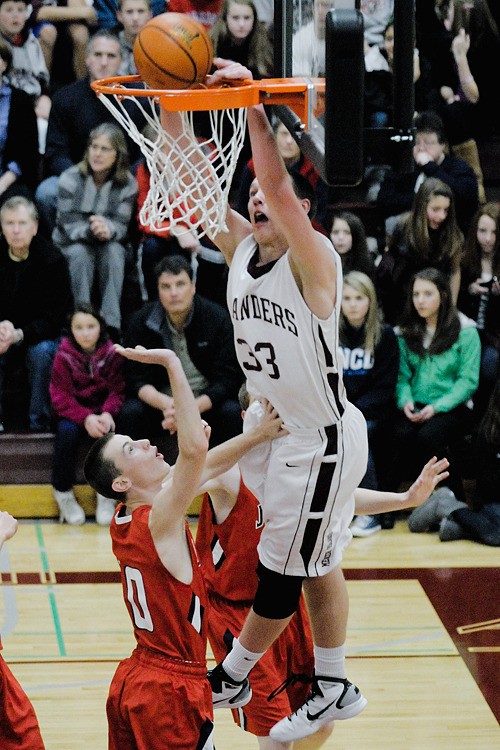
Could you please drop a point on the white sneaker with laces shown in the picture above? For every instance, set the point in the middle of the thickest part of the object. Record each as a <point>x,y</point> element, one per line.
<point>330,698</point>
<point>228,693</point>
<point>69,510</point>
<point>105,510</point>
<point>365,526</point>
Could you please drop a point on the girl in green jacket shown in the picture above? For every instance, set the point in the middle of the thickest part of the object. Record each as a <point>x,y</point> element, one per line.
<point>438,375</point>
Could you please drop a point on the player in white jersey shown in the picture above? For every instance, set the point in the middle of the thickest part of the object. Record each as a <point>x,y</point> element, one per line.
<point>284,295</point>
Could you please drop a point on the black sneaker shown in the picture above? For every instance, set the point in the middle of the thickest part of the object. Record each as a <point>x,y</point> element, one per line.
<point>226,692</point>
<point>330,698</point>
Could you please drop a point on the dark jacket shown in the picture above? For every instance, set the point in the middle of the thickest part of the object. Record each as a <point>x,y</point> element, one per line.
<point>370,379</point>
<point>397,266</point>
<point>35,294</point>
<point>397,190</point>
<point>75,111</point>
<point>21,145</point>
<point>209,337</point>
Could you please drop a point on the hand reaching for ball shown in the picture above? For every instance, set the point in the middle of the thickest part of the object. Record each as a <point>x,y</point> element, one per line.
<point>227,70</point>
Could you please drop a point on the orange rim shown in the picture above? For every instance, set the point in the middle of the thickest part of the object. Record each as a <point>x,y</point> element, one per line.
<point>296,93</point>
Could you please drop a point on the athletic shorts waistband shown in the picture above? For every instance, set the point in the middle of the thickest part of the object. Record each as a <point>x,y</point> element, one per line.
<point>319,429</point>
<point>147,656</point>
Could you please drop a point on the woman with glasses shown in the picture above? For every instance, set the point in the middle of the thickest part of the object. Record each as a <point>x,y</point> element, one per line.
<point>95,203</point>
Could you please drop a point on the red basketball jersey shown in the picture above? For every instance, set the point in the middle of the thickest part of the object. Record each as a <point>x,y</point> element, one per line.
<point>168,615</point>
<point>228,551</point>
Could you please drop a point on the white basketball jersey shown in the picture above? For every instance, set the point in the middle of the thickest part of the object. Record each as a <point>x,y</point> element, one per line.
<point>288,355</point>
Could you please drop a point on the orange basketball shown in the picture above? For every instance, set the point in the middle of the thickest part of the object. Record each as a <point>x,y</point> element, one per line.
<point>173,51</point>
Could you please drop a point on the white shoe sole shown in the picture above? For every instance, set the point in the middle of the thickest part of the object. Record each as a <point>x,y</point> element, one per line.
<point>283,731</point>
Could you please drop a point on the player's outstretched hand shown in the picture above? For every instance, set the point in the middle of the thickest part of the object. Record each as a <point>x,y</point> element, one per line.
<point>433,472</point>
<point>227,70</point>
<point>148,356</point>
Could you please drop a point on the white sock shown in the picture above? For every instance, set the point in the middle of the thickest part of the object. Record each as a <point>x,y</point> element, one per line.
<point>239,661</point>
<point>330,662</point>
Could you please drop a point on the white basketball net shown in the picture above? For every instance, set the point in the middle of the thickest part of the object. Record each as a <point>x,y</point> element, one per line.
<point>189,180</point>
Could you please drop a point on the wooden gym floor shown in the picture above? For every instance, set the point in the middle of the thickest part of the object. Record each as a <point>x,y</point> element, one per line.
<point>424,638</point>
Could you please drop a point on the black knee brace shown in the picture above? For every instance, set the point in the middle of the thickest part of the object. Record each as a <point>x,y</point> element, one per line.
<point>277,595</point>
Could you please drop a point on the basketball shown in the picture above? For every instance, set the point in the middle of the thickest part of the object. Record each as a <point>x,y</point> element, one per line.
<point>173,51</point>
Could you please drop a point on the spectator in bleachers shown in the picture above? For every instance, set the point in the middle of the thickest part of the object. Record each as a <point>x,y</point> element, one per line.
<point>397,189</point>
<point>479,296</point>
<point>96,201</point>
<point>371,361</point>
<point>28,71</point>
<point>72,21</point>
<point>379,81</point>
<point>440,353</point>
<point>19,156</point>
<point>237,35</point>
<point>349,239</point>
<point>87,390</point>
<point>453,92</point>
<point>132,15</point>
<point>107,12</point>
<point>201,334</point>
<point>428,235</point>
<point>437,24</point>
<point>75,111</point>
<point>35,299</point>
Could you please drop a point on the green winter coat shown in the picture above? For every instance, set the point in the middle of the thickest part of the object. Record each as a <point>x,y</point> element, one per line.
<point>442,380</point>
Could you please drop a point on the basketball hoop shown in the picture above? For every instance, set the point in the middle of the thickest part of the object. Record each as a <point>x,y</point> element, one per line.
<point>190,179</point>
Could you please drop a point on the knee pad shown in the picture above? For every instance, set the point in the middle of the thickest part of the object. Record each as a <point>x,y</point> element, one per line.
<point>277,595</point>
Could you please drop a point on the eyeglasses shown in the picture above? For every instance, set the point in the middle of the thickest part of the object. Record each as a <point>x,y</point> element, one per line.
<point>104,149</point>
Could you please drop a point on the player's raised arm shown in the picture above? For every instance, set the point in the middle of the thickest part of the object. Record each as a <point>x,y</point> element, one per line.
<point>238,226</point>
<point>181,486</point>
<point>311,259</point>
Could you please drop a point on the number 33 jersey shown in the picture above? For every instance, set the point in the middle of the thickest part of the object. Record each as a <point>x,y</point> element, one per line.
<point>287,354</point>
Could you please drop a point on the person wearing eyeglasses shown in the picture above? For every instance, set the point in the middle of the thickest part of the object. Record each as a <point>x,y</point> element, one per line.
<point>95,202</point>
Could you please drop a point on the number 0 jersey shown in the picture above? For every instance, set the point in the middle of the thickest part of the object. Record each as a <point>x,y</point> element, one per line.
<point>287,354</point>
<point>168,615</point>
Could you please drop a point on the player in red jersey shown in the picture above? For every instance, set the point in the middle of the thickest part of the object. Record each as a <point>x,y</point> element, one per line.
<point>19,728</point>
<point>159,696</point>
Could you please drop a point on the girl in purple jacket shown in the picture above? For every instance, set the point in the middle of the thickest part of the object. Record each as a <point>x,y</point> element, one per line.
<point>87,390</point>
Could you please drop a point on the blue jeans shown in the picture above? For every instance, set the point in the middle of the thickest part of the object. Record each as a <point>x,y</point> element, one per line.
<point>46,201</point>
<point>38,363</point>
<point>68,438</point>
<point>39,359</point>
